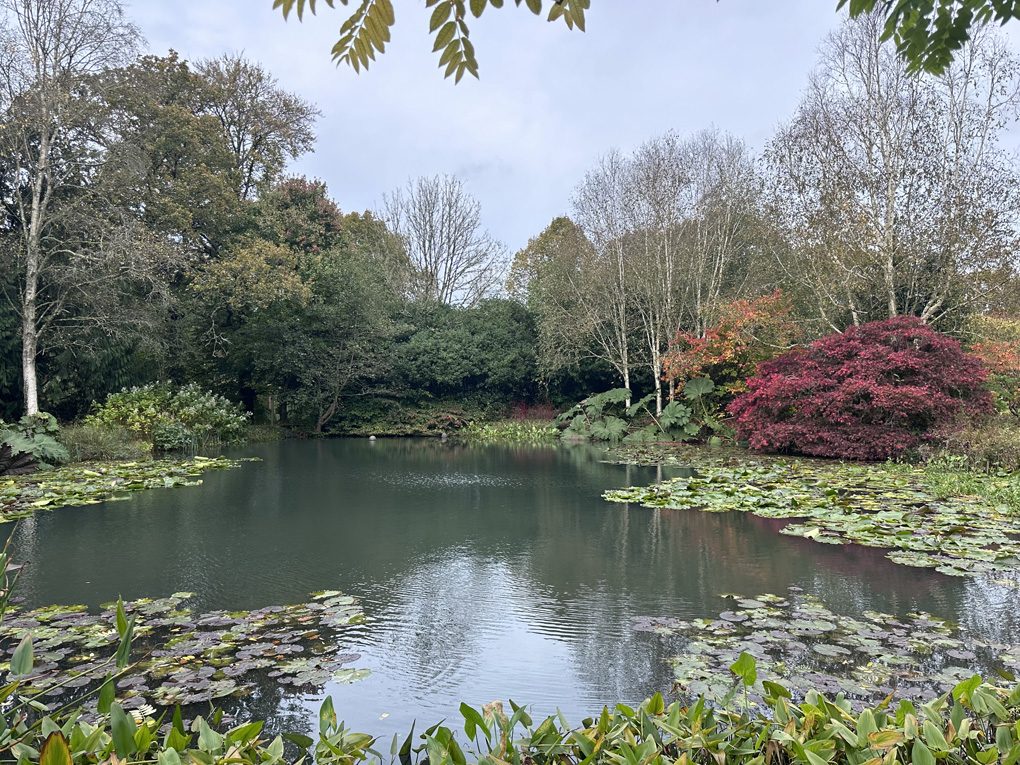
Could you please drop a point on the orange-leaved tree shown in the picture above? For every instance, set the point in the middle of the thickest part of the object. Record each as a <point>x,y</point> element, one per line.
<point>745,333</point>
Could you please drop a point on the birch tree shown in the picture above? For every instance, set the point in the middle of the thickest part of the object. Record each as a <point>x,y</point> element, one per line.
<point>48,145</point>
<point>892,188</point>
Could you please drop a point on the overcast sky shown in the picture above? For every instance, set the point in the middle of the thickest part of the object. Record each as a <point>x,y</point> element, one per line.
<point>548,103</point>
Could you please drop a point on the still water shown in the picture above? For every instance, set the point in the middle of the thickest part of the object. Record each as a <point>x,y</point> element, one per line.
<point>487,572</point>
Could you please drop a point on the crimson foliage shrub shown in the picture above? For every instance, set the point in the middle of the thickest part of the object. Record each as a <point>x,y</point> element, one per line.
<point>869,393</point>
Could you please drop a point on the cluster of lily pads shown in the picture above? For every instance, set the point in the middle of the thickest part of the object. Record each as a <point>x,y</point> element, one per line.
<point>184,658</point>
<point>839,504</point>
<point>91,484</point>
<point>799,641</point>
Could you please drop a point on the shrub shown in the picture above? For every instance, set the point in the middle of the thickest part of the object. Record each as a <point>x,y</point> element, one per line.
<point>172,437</point>
<point>744,334</point>
<point>89,443</point>
<point>606,417</point>
<point>29,444</point>
<point>209,418</point>
<point>990,445</point>
<point>999,349</point>
<point>871,392</point>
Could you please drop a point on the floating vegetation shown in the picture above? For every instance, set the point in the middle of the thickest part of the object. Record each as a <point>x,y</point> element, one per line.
<point>838,503</point>
<point>184,658</point>
<point>94,483</point>
<point>797,640</point>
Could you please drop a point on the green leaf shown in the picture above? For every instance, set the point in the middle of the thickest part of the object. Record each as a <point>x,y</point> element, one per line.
<point>746,668</point>
<point>55,750</point>
<point>921,755</point>
<point>107,694</point>
<point>122,623</point>
<point>122,727</point>
<point>445,35</point>
<point>327,716</point>
<point>698,387</point>
<point>439,16</point>
<point>299,740</point>
<point>124,649</point>
<point>208,739</point>
<point>23,658</point>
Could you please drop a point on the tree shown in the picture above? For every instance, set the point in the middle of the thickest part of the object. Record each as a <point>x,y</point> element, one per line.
<point>891,188</point>
<point>175,169</point>
<point>928,33</point>
<point>263,124</point>
<point>670,230</point>
<point>869,393</point>
<point>453,260</point>
<point>47,50</point>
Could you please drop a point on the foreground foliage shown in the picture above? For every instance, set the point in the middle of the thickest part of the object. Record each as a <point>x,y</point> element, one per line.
<point>90,484</point>
<point>869,505</point>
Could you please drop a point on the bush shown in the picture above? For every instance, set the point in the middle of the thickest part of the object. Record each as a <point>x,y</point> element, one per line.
<point>209,418</point>
<point>92,443</point>
<point>993,444</point>
<point>745,333</point>
<point>29,444</point>
<point>872,392</point>
<point>172,437</point>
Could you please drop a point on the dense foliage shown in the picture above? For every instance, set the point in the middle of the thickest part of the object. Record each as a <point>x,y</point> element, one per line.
<point>871,392</point>
<point>29,444</point>
<point>173,418</point>
<point>611,416</point>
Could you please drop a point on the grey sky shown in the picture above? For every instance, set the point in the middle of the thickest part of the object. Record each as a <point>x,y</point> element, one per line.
<point>549,100</point>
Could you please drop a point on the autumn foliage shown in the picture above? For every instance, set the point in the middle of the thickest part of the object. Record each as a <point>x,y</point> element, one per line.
<point>871,392</point>
<point>745,333</point>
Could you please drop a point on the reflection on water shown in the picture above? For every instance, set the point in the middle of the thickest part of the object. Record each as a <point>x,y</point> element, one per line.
<point>487,572</point>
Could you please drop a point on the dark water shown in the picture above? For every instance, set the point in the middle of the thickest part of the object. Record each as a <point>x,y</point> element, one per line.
<point>487,572</point>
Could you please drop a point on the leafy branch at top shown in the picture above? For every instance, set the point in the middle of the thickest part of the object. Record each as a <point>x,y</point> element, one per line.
<point>367,30</point>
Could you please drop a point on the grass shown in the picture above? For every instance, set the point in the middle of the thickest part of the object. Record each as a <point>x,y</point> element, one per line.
<point>512,431</point>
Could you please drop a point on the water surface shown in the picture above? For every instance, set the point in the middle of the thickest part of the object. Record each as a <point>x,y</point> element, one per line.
<point>487,572</point>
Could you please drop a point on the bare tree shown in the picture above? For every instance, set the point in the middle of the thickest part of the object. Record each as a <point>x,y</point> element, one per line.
<point>46,141</point>
<point>891,187</point>
<point>453,259</point>
<point>669,229</point>
<point>598,288</point>
<point>264,125</point>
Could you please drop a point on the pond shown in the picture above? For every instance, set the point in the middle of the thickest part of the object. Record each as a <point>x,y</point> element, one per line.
<point>486,572</point>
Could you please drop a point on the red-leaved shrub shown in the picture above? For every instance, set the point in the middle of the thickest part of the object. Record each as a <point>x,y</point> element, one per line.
<point>869,393</point>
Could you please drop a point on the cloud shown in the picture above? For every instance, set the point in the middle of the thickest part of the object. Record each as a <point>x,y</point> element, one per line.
<point>548,103</point>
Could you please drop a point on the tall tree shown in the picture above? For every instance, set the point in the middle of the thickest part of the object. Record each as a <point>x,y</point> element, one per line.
<point>264,125</point>
<point>47,141</point>
<point>892,188</point>
<point>453,259</point>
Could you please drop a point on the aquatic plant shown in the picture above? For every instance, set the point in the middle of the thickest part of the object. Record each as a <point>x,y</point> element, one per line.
<point>512,431</point>
<point>99,482</point>
<point>796,639</point>
<point>869,505</point>
<point>869,393</point>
